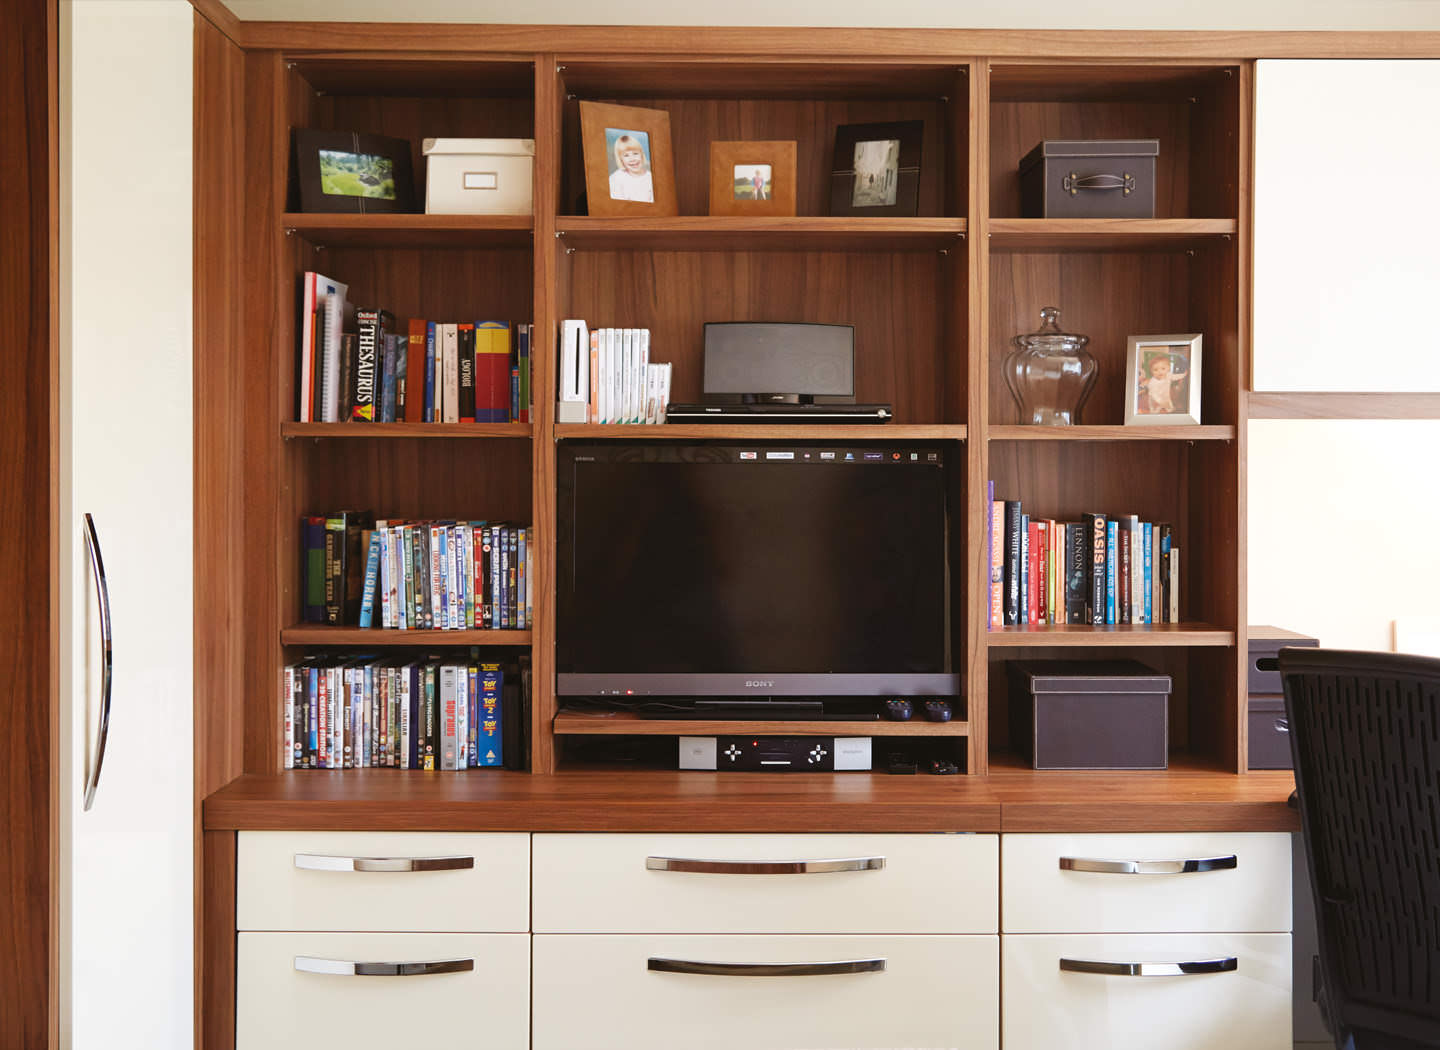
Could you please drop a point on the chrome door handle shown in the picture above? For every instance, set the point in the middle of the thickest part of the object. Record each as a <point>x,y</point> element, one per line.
<point>348,968</point>
<point>321,862</point>
<point>97,572</point>
<point>1149,867</point>
<point>814,969</point>
<point>763,867</point>
<point>1150,969</point>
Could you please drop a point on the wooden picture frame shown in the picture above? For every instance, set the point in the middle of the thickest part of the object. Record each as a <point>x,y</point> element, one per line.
<point>876,170</point>
<point>1162,366</point>
<point>351,173</point>
<point>752,178</point>
<point>612,138</point>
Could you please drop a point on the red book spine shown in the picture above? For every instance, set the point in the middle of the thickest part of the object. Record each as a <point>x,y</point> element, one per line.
<point>415,373</point>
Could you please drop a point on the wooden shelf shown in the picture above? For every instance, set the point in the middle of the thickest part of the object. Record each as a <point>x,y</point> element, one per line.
<point>1105,235</point>
<point>411,231</point>
<point>627,723</point>
<point>319,634</point>
<point>1011,432</point>
<point>1082,635</point>
<point>406,430</point>
<point>690,233</point>
<point>882,433</point>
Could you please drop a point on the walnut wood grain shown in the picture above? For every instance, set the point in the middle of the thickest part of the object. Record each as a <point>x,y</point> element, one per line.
<point>1103,235</point>
<point>411,231</point>
<point>215,941</point>
<point>1090,636</point>
<point>30,948</point>
<point>220,16</point>
<point>1335,405</point>
<point>1112,432</point>
<point>319,634</point>
<point>783,233</point>
<point>383,431</point>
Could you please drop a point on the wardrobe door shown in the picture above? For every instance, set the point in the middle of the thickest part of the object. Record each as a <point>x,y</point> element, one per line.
<point>126,453</point>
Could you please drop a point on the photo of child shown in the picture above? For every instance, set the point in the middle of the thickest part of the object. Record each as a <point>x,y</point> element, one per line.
<point>752,182</point>
<point>629,157</point>
<point>1163,381</point>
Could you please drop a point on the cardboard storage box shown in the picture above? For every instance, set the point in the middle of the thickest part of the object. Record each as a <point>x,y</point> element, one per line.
<point>1089,179</point>
<point>1265,642</point>
<point>479,176</point>
<point>1269,734</point>
<point>1094,714</point>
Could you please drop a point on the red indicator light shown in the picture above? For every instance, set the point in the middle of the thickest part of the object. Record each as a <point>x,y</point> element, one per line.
<point>629,692</point>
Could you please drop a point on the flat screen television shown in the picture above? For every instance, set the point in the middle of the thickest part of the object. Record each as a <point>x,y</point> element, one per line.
<point>690,570</point>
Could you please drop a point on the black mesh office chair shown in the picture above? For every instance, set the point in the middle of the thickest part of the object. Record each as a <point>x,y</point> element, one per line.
<point>1365,734</point>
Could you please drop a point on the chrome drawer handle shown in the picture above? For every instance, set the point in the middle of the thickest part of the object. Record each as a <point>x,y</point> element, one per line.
<point>1148,867</point>
<point>320,862</point>
<point>815,969</point>
<point>102,591</point>
<point>763,867</point>
<point>347,968</point>
<point>1150,969</point>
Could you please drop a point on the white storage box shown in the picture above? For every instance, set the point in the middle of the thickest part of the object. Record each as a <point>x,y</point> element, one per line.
<point>479,176</point>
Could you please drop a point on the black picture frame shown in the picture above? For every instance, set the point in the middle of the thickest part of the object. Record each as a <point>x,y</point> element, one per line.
<point>307,177</point>
<point>847,198</point>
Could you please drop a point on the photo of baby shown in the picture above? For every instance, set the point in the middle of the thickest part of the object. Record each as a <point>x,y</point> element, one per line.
<point>629,161</point>
<point>1163,380</point>
<point>752,182</point>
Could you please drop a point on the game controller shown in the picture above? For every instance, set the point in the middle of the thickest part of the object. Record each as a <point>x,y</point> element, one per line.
<point>937,710</point>
<point>899,710</point>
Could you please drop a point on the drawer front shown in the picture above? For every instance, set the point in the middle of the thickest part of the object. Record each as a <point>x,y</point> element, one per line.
<point>1247,1008</point>
<point>899,884</point>
<point>600,991</point>
<point>1041,896</point>
<point>279,1006</point>
<point>465,883</point>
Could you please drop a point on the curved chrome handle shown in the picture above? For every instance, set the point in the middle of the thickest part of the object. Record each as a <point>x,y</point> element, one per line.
<point>321,862</point>
<point>815,969</point>
<point>1148,867</point>
<point>97,570</point>
<point>1282,725</point>
<point>763,867</point>
<point>347,968</point>
<point>1150,969</point>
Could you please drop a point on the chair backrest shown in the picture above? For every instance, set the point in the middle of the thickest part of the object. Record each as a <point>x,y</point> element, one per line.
<point>1365,735</point>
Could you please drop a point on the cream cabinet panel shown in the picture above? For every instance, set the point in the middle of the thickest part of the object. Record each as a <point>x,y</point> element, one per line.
<point>285,998</point>
<point>602,992</point>
<point>888,883</point>
<point>401,881</point>
<point>1130,883</point>
<point>1053,999</point>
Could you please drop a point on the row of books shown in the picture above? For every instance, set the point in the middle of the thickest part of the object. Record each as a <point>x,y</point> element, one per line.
<point>623,384</point>
<point>417,575</point>
<point>404,711</point>
<point>358,365</point>
<point>1099,570</point>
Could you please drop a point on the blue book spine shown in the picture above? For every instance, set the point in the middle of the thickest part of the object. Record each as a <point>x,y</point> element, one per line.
<point>515,394</point>
<point>312,716</point>
<point>429,372</point>
<point>489,751</point>
<point>387,380</point>
<point>372,577</point>
<point>1112,563</point>
<point>462,591</point>
<point>1147,536</point>
<point>1024,568</point>
<point>472,713</point>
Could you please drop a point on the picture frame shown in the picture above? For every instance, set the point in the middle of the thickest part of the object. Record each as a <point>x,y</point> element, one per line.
<point>351,173</point>
<point>876,168</point>
<point>629,166</point>
<point>1162,384</point>
<point>752,178</point>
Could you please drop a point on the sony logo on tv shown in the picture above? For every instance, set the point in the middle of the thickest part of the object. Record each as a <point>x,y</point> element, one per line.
<point>759,684</point>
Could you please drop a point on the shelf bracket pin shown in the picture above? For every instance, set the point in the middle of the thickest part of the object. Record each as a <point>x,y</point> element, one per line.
<point>569,251</point>
<point>559,69</point>
<point>945,98</point>
<point>289,231</point>
<point>1190,252</point>
<point>289,65</point>
<point>570,97</point>
<point>944,251</point>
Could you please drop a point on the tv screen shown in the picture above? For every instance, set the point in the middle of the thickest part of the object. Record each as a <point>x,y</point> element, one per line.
<point>737,570</point>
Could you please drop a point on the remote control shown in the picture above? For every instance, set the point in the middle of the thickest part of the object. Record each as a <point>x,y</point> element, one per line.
<point>942,768</point>
<point>937,710</point>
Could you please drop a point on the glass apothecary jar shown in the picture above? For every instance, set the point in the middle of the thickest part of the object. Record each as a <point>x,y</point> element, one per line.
<point>1050,373</point>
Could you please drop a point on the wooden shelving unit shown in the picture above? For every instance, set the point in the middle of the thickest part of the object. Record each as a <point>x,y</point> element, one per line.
<point>881,434</point>
<point>386,431</point>
<point>364,637</point>
<point>1073,636</point>
<point>411,231</point>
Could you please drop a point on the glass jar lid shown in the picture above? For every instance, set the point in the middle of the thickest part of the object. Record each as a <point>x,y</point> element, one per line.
<point>1049,336</point>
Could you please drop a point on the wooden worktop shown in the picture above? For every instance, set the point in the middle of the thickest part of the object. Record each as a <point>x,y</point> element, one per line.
<point>1008,799</point>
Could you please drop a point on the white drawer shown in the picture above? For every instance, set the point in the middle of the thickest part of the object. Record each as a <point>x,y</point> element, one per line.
<point>599,991</point>
<point>1041,896</point>
<point>919,884</point>
<point>1247,1009</point>
<point>279,1007</point>
<point>491,894</point>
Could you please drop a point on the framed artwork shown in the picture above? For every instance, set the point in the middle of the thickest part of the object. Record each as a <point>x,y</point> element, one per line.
<point>345,171</point>
<point>629,169</point>
<point>876,170</point>
<point>752,178</point>
<point>1163,388</point>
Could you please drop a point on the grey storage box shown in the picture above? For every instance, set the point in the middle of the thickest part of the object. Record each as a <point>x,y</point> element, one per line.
<point>1269,734</point>
<point>1265,642</point>
<point>1093,714</point>
<point>1089,179</point>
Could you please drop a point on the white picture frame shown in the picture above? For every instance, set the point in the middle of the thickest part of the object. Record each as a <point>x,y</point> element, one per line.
<point>1162,380</point>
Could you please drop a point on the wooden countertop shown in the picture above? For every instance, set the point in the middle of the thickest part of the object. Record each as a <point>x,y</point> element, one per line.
<point>1014,800</point>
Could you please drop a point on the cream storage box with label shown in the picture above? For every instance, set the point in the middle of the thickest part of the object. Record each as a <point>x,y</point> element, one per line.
<point>479,176</point>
